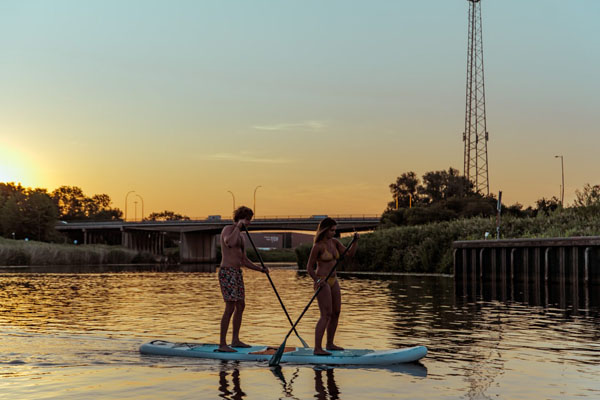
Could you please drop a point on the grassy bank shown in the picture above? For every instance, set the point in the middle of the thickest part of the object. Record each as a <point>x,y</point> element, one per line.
<point>18,252</point>
<point>428,248</point>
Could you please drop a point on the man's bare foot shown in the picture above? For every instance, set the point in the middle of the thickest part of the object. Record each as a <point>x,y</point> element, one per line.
<point>226,349</point>
<point>239,343</point>
<point>333,347</point>
<point>321,352</point>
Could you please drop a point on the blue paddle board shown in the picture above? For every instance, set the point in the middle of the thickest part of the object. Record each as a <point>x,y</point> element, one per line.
<point>291,355</point>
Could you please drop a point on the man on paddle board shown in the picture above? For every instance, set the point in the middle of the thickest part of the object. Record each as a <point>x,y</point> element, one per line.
<point>231,279</point>
<point>325,253</point>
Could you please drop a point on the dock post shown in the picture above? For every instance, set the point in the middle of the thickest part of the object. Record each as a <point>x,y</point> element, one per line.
<point>474,264</point>
<point>525,264</point>
<point>561,263</point>
<point>465,261</point>
<point>481,263</point>
<point>586,270</point>
<point>503,272</point>
<point>546,264</point>
<point>494,256</point>
<point>586,277</point>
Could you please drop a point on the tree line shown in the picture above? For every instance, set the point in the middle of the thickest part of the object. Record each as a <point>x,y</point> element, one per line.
<point>27,213</point>
<point>448,195</point>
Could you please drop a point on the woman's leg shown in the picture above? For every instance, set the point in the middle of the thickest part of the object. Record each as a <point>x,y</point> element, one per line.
<point>336,303</point>
<point>325,307</point>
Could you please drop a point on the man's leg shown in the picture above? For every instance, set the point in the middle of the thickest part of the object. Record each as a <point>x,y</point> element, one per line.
<point>237,323</point>
<point>229,308</point>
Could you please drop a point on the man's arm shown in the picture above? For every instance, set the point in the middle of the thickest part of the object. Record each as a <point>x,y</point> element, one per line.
<point>231,234</point>
<point>246,261</point>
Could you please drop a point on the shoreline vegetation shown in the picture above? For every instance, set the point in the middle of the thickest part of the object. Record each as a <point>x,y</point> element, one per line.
<point>34,253</point>
<point>428,248</point>
<point>423,248</point>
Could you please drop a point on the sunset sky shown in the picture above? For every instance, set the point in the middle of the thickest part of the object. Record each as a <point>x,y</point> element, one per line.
<point>321,103</point>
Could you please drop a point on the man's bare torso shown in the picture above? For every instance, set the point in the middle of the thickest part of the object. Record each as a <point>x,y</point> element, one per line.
<point>232,255</point>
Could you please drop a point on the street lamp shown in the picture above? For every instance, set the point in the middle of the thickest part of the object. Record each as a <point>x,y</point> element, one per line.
<point>135,210</point>
<point>233,197</point>
<point>127,195</point>
<point>562,187</point>
<point>254,206</point>
<point>142,199</point>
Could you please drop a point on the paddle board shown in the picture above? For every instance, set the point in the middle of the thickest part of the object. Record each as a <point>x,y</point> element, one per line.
<point>291,355</point>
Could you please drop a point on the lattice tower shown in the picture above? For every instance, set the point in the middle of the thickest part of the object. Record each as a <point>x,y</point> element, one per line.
<point>475,136</point>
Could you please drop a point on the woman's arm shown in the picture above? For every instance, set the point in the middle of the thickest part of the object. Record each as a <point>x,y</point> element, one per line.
<point>352,250</point>
<point>312,259</point>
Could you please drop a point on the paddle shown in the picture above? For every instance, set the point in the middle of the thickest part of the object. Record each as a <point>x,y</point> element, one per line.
<point>277,356</point>
<point>304,344</point>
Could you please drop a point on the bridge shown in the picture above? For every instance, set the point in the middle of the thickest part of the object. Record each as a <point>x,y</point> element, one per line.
<point>197,238</point>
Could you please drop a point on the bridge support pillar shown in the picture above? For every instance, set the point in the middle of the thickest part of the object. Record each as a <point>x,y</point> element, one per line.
<point>197,247</point>
<point>146,241</point>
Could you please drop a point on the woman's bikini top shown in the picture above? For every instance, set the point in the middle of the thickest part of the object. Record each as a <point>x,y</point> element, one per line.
<point>326,256</point>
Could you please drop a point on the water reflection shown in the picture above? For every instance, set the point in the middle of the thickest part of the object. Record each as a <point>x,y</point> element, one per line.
<point>110,268</point>
<point>230,387</point>
<point>572,297</point>
<point>329,389</point>
<point>287,386</point>
<point>485,339</point>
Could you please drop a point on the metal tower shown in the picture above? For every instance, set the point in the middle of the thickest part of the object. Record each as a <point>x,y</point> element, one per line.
<point>475,135</point>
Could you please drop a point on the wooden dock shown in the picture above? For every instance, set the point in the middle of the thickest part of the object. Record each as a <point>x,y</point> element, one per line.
<point>570,260</point>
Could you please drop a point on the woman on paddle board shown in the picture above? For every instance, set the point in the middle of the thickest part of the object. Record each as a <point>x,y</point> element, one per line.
<point>325,253</point>
<point>231,279</point>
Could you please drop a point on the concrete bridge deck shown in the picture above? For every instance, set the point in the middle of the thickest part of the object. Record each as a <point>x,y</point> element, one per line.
<point>198,238</point>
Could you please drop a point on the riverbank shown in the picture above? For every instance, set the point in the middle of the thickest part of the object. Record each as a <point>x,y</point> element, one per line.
<point>428,248</point>
<point>19,252</point>
<point>31,253</point>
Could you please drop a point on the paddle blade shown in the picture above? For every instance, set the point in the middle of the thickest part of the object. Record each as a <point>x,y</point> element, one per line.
<point>274,361</point>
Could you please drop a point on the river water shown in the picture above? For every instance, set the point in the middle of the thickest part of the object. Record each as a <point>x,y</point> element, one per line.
<point>74,333</point>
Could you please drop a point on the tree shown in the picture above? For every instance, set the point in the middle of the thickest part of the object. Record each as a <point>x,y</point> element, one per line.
<point>443,185</point>
<point>547,205</point>
<point>28,213</point>
<point>167,216</point>
<point>73,204</point>
<point>404,190</point>
<point>589,197</point>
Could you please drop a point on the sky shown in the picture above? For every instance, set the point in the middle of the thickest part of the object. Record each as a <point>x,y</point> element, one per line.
<point>315,107</point>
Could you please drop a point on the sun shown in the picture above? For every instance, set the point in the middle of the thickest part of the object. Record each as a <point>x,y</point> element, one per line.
<point>17,167</point>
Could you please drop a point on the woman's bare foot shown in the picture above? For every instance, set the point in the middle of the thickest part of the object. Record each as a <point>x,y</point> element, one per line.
<point>333,347</point>
<point>226,349</point>
<point>239,343</point>
<point>321,352</point>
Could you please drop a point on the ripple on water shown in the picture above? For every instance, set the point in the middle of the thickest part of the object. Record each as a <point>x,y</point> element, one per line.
<point>78,334</point>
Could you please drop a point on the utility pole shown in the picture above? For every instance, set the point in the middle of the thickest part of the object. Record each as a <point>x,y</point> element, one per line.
<point>475,135</point>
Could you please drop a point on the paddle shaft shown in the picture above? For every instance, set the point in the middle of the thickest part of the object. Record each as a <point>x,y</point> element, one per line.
<point>277,356</point>
<point>273,286</point>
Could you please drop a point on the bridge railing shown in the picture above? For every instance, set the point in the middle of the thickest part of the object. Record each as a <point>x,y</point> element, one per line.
<point>340,217</point>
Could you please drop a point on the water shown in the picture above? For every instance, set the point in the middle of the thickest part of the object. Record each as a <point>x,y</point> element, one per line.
<point>73,333</point>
